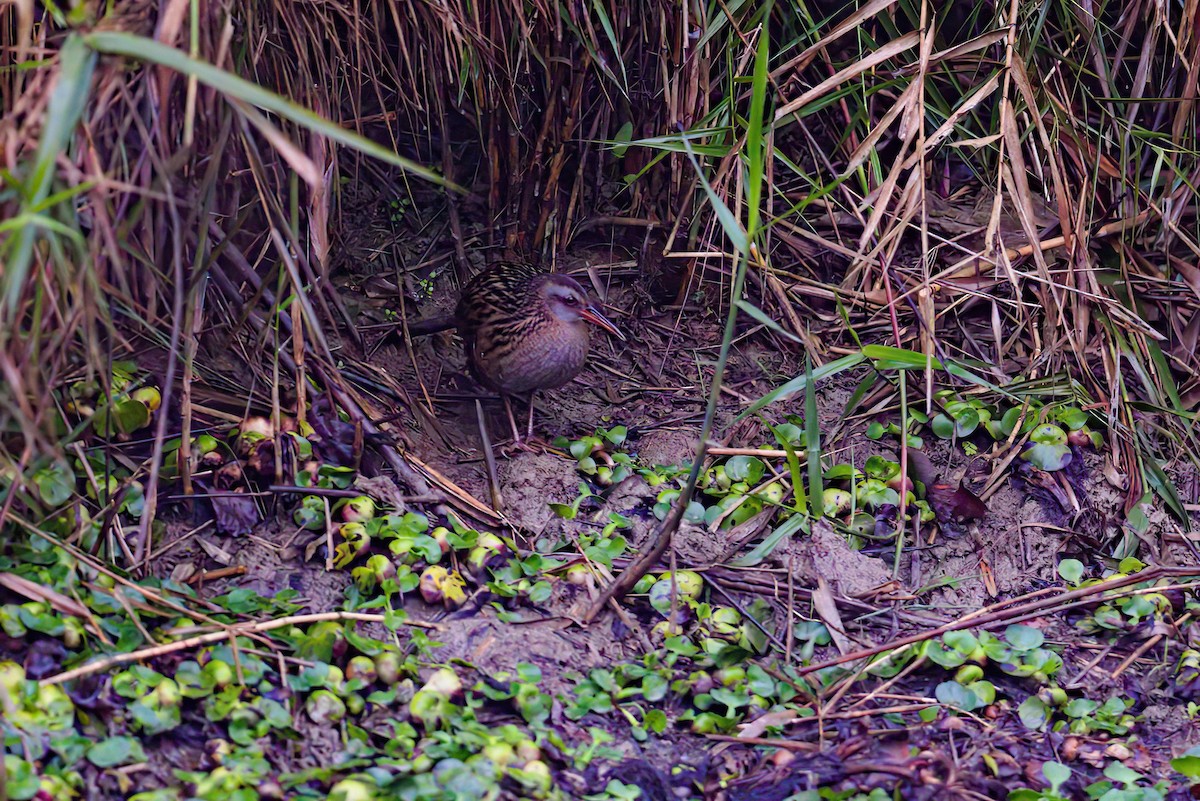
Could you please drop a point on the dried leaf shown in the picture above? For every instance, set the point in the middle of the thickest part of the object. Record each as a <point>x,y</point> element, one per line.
<point>828,612</point>
<point>38,592</point>
<point>954,504</point>
<point>770,720</point>
<point>988,576</point>
<point>338,441</point>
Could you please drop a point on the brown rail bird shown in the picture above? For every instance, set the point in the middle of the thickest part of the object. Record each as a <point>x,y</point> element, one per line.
<point>524,330</point>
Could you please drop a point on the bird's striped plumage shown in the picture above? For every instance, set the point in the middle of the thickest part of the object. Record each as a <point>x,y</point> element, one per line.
<point>519,332</point>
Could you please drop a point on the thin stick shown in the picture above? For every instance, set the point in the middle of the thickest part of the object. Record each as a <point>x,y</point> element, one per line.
<point>662,537</point>
<point>237,630</point>
<point>489,458</point>
<point>767,453</point>
<point>984,621</point>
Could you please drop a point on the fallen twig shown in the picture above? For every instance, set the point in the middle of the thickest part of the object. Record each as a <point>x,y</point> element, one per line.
<point>230,632</point>
<point>1010,615</point>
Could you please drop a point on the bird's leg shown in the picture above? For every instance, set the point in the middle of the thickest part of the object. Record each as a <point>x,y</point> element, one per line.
<point>527,443</point>
<point>529,428</point>
<point>512,420</point>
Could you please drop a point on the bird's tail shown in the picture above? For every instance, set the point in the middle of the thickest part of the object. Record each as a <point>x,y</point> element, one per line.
<point>431,325</point>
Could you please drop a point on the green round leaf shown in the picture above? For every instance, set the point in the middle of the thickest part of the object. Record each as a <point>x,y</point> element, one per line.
<point>1131,564</point>
<point>880,468</point>
<point>1048,434</point>
<point>617,435</point>
<point>1072,417</point>
<point>962,641</point>
<point>1033,713</point>
<point>565,511</point>
<point>21,778</point>
<point>694,513</point>
<point>953,694</point>
<point>985,691</point>
<point>1080,707</point>
<point>1056,773</point>
<point>1024,638</point>
<point>55,484</point>
<point>654,688</point>
<point>966,422</point>
<point>116,751</point>
<point>945,657</point>
<point>1050,451</point>
<point>744,468</point>
<point>943,426</point>
<point>795,434</point>
<point>1188,763</point>
<point>1122,774</point>
<point>1071,570</point>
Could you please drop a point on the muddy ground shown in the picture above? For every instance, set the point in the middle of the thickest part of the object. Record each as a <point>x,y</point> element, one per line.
<point>656,385</point>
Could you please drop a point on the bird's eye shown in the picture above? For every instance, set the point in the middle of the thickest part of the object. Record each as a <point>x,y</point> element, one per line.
<point>571,300</point>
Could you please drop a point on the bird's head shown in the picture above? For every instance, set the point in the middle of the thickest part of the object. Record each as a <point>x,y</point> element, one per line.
<point>568,302</point>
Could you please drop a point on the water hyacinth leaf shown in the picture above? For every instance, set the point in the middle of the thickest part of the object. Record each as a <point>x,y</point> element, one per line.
<point>985,691</point>
<point>1187,763</point>
<point>1072,417</point>
<point>116,751</point>
<point>21,778</point>
<point>55,484</point>
<point>953,694</point>
<point>962,641</point>
<point>966,422</point>
<point>1048,449</point>
<point>1024,638</point>
<point>695,512</point>
<point>563,510</point>
<point>745,468</point>
<point>1071,571</point>
<point>1003,427</point>
<point>944,657</point>
<point>1056,773</point>
<point>122,416</point>
<point>1034,713</point>
<point>942,426</point>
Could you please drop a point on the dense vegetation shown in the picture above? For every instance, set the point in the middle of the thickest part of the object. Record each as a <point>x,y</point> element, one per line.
<point>977,221</point>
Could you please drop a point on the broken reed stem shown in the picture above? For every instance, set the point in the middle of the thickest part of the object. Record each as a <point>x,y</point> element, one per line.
<point>765,453</point>
<point>228,633</point>
<point>986,619</point>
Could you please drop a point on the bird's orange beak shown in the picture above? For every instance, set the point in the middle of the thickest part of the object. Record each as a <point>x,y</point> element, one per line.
<point>592,315</point>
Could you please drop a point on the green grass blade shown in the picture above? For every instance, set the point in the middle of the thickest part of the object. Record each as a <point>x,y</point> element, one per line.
<point>1162,485</point>
<point>754,129</point>
<point>614,42</point>
<point>763,549</point>
<point>812,442</point>
<point>76,65</point>
<point>793,463</point>
<point>798,383</point>
<point>725,216</point>
<point>887,357</point>
<point>765,319</point>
